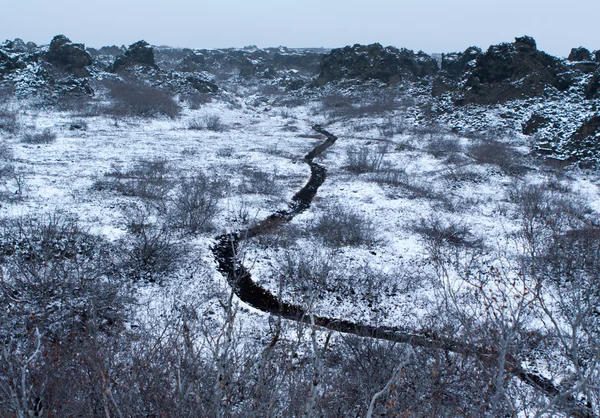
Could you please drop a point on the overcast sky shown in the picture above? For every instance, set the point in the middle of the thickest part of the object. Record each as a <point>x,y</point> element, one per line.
<point>428,25</point>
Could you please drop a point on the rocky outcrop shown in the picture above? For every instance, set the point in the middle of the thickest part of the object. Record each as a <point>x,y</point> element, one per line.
<point>534,124</point>
<point>455,65</point>
<point>511,71</point>
<point>580,54</point>
<point>193,62</point>
<point>374,62</point>
<point>138,54</point>
<point>584,144</point>
<point>69,56</point>
<point>8,63</point>
<point>592,88</point>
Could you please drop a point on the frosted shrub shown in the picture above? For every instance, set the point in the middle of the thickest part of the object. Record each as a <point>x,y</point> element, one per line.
<point>44,137</point>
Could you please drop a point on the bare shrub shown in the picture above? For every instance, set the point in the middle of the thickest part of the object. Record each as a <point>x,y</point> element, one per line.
<point>150,252</point>
<point>141,100</point>
<point>440,145</point>
<point>391,177</point>
<point>208,122</point>
<point>497,153</point>
<point>148,179</point>
<point>392,127</point>
<point>44,137</point>
<point>365,159</point>
<point>337,101</point>
<point>260,182</point>
<point>197,100</point>
<point>195,203</point>
<point>451,233</point>
<point>9,121</point>
<point>306,271</point>
<point>341,226</point>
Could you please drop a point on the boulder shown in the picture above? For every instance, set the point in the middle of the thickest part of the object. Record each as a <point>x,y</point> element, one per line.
<point>69,56</point>
<point>580,54</point>
<point>374,62</point>
<point>138,54</point>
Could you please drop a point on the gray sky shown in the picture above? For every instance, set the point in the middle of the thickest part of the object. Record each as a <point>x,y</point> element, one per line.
<point>428,25</point>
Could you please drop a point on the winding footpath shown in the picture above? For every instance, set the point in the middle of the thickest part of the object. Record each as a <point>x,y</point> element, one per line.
<point>239,278</point>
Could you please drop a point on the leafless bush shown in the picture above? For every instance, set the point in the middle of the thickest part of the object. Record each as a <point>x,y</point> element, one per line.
<point>341,226</point>
<point>147,179</point>
<point>195,203</point>
<point>150,252</point>
<point>197,100</point>
<point>497,153</point>
<point>9,121</point>
<point>306,271</point>
<point>260,182</point>
<point>337,101</point>
<point>391,177</point>
<point>141,100</point>
<point>81,105</point>
<point>451,233</point>
<point>44,137</point>
<point>208,122</point>
<point>443,146</point>
<point>365,159</point>
<point>392,127</point>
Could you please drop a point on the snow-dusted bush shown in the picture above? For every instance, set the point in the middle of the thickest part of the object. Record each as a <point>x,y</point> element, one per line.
<point>260,182</point>
<point>440,145</point>
<point>500,154</point>
<point>195,203</point>
<point>208,122</point>
<point>365,159</point>
<point>393,126</point>
<point>137,99</point>
<point>9,121</point>
<point>338,226</point>
<point>438,232</point>
<point>44,137</point>
<point>197,100</point>
<point>150,251</point>
<point>148,179</point>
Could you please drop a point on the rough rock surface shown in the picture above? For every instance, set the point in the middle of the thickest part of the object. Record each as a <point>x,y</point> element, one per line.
<point>138,54</point>
<point>374,62</point>
<point>534,123</point>
<point>584,144</point>
<point>510,71</point>
<point>580,54</point>
<point>69,56</point>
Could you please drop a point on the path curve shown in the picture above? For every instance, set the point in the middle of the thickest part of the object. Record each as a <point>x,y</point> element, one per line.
<point>238,277</point>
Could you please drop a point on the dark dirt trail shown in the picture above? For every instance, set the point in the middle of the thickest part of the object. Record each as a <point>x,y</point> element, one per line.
<point>239,278</point>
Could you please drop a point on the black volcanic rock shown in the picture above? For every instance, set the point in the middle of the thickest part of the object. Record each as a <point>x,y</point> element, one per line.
<point>8,64</point>
<point>374,62</point>
<point>592,89</point>
<point>192,62</point>
<point>69,56</point>
<point>584,144</point>
<point>138,54</point>
<point>580,54</point>
<point>454,65</point>
<point>511,71</point>
<point>534,124</point>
